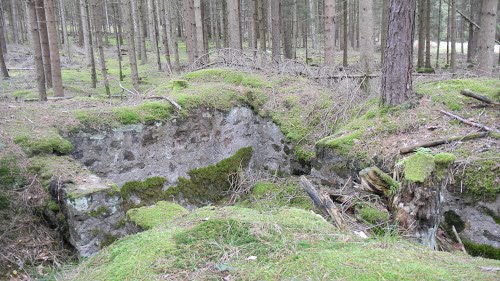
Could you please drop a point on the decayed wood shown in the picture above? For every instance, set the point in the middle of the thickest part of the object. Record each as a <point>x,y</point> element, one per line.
<point>322,201</point>
<point>458,239</point>
<point>470,94</point>
<point>438,142</point>
<point>470,123</point>
<point>375,181</point>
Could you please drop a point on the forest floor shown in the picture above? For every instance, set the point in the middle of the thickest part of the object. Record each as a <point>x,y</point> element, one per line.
<point>341,115</point>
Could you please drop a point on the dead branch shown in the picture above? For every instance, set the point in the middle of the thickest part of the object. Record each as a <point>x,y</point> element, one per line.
<point>167,99</point>
<point>470,123</point>
<point>322,201</point>
<point>470,94</point>
<point>125,89</point>
<point>458,239</point>
<point>434,143</point>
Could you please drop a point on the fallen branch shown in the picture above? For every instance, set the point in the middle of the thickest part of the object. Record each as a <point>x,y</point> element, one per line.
<point>168,99</point>
<point>127,90</point>
<point>458,239</point>
<point>322,201</point>
<point>13,68</point>
<point>470,123</point>
<point>434,143</point>
<point>470,94</point>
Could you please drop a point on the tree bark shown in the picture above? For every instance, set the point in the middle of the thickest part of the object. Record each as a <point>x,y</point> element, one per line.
<point>262,24</point>
<point>486,44</point>
<point>312,25</point>
<point>98,34</point>
<point>345,23</point>
<point>37,48</point>
<point>86,32</point>
<point>383,32</point>
<point>15,21</point>
<point>200,47</point>
<point>428,34</point>
<point>127,19</point>
<point>87,17</point>
<point>55,58</point>
<point>190,27</point>
<point>44,40</point>
<point>276,29</point>
<point>453,36</point>
<point>421,33</point>
<point>439,33</point>
<point>3,67</point>
<point>234,24</point>
<point>67,44</point>
<point>329,32</point>
<point>396,77</point>
<point>366,35</point>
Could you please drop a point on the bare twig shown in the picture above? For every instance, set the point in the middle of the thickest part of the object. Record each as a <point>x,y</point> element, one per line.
<point>470,123</point>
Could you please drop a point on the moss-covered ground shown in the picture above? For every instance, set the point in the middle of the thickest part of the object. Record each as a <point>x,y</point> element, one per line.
<point>285,244</point>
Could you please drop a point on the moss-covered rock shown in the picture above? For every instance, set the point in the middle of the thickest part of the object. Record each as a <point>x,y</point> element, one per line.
<point>143,193</point>
<point>212,183</point>
<point>419,166</point>
<point>152,216</point>
<point>481,250</point>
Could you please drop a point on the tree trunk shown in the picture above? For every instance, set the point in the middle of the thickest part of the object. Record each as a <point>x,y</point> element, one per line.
<point>396,77</point>
<point>153,31</point>
<point>37,48</point>
<point>312,25</point>
<point>67,44</point>
<point>81,39</point>
<point>118,43</point>
<point>439,33</point>
<point>262,24</point>
<point>276,29</point>
<point>87,17</point>
<point>44,39</point>
<point>15,21</point>
<point>175,45</point>
<point>86,32</point>
<point>329,32</point>
<point>428,34</point>
<point>345,23</point>
<point>421,33</point>
<point>166,35</point>
<point>98,34</point>
<point>287,30</point>
<point>473,32</point>
<point>383,32</point>
<point>127,19</point>
<point>3,67</point>
<point>200,47</point>
<point>453,36</point>
<point>190,27</point>
<point>366,35</point>
<point>234,24</point>
<point>486,43</point>
<point>55,58</point>
<point>3,35</point>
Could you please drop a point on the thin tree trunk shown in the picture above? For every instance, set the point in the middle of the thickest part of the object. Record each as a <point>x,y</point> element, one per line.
<point>15,21</point>
<point>173,13</point>
<point>55,58</point>
<point>37,48</point>
<point>330,32</point>
<point>118,43</point>
<point>439,33</point>
<point>166,35</point>
<point>428,34</point>
<point>276,29</point>
<point>87,17</point>
<point>262,24</point>
<point>138,30</point>
<point>486,44</point>
<point>127,19</point>
<point>312,25</point>
<point>3,35</point>
<point>453,63</point>
<point>345,23</point>
<point>199,28</point>
<point>44,39</point>
<point>98,34</point>
<point>153,32</point>
<point>3,67</point>
<point>421,34</point>
<point>67,44</point>
<point>86,32</point>
<point>383,32</point>
<point>78,13</point>
<point>396,77</point>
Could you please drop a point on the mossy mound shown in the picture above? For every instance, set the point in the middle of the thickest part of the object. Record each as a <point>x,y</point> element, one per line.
<point>268,196</point>
<point>159,214</point>
<point>227,75</point>
<point>146,192</point>
<point>49,143</point>
<point>422,164</point>
<point>285,244</point>
<point>212,183</point>
<point>11,177</point>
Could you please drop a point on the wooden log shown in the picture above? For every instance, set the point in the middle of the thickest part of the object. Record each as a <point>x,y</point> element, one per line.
<point>176,105</point>
<point>323,202</point>
<point>438,142</point>
<point>470,123</point>
<point>376,181</point>
<point>470,94</point>
<point>458,239</point>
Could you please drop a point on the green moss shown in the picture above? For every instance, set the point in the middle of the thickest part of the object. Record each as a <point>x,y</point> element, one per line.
<point>419,166</point>
<point>48,166</point>
<point>266,196</point>
<point>492,214</point>
<point>212,183</point>
<point>444,159</point>
<point>126,115</point>
<point>99,212</point>
<point>148,191</point>
<point>108,240</point>
<point>53,206</point>
<point>480,178</point>
<point>4,201</point>
<point>11,176</point>
<point>452,219</point>
<point>229,76</point>
<point>51,143</point>
<point>373,215</point>
<point>481,250</point>
<point>343,144</point>
<point>304,155</point>
<point>159,214</point>
<point>178,84</point>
